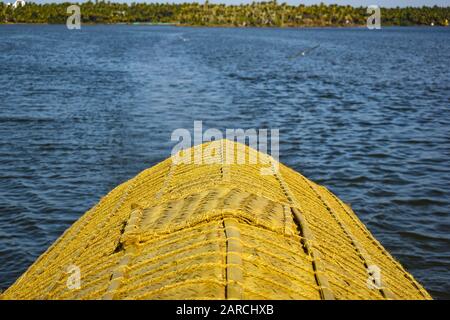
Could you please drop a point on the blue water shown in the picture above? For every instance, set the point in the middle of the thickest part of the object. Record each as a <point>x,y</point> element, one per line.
<point>367,114</point>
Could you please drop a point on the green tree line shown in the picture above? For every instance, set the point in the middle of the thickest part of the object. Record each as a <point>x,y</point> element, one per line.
<point>257,14</point>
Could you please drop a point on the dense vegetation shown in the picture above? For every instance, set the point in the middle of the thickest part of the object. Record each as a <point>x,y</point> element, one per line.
<point>256,14</point>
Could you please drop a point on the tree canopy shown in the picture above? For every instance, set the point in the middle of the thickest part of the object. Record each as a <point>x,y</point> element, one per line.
<point>257,14</point>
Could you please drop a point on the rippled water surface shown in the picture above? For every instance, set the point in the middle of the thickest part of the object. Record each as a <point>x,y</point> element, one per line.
<point>367,114</point>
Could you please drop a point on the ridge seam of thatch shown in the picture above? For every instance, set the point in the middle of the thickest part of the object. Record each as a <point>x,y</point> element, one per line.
<point>167,180</point>
<point>217,215</point>
<point>151,203</point>
<point>224,168</point>
<point>321,279</point>
<point>114,275</point>
<point>363,255</point>
<point>116,209</point>
<point>128,240</point>
<point>234,274</point>
<point>379,246</point>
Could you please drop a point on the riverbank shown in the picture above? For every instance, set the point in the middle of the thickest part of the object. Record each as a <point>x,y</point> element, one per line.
<point>264,14</point>
<point>148,24</point>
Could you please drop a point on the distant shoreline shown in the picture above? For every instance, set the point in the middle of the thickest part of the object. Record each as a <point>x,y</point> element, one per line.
<point>257,14</point>
<point>145,24</point>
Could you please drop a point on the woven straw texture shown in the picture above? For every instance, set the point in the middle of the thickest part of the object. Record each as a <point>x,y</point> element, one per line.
<point>219,229</point>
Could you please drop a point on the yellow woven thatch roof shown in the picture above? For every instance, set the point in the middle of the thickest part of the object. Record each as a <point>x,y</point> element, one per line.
<point>217,231</point>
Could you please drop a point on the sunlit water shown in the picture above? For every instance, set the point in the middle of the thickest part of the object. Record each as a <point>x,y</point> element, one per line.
<point>366,114</point>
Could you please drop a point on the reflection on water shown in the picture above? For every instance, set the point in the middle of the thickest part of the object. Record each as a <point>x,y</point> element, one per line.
<point>366,114</point>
